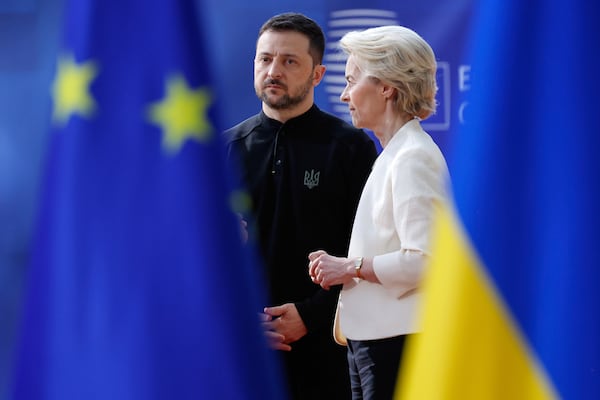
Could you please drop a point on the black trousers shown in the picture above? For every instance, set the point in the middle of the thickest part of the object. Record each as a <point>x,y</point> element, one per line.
<point>317,369</point>
<point>374,367</point>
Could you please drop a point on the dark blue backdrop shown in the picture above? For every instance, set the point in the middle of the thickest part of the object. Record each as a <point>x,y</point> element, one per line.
<point>445,25</point>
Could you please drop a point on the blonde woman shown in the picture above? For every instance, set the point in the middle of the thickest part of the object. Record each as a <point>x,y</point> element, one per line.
<point>391,87</point>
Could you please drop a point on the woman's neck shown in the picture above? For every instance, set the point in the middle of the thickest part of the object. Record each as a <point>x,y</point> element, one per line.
<point>390,124</point>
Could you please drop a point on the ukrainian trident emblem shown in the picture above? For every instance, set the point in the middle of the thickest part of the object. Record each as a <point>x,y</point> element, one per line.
<point>311,179</point>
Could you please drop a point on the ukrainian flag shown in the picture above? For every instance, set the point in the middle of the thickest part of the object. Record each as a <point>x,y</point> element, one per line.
<point>512,306</point>
<point>138,286</point>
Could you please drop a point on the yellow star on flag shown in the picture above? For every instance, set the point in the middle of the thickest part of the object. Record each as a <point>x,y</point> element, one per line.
<point>71,89</point>
<point>182,114</point>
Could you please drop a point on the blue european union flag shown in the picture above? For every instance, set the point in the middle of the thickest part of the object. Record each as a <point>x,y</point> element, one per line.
<point>139,287</point>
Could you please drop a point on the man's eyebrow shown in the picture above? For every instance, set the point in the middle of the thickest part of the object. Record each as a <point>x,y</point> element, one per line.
<point>267,53</point>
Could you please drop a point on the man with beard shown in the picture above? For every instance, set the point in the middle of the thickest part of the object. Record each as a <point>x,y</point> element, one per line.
<point>304,170</point>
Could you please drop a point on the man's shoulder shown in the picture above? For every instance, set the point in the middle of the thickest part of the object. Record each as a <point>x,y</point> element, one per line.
<point>337,125</point>
<point>242,129</point>
<point>344,131</point>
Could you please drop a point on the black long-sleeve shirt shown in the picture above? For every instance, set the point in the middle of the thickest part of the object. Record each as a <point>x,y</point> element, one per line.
<point>305,178</point>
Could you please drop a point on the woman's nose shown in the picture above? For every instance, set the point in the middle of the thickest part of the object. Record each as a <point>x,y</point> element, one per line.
<point>344,96</point>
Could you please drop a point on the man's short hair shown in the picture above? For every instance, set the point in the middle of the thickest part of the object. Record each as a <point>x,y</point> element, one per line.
<point>302,24</point>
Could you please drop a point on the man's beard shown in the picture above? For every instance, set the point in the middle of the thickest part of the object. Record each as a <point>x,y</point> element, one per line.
<point>286,101</point>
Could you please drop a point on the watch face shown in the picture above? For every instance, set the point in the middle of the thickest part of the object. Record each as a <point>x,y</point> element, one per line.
<point>357,265</point>
<point>358,262</point>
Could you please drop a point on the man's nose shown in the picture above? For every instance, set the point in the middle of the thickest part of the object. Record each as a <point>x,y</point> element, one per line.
<point>275,70</point>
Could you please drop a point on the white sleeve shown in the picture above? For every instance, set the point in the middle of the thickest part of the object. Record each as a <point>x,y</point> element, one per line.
<point>418,181</point>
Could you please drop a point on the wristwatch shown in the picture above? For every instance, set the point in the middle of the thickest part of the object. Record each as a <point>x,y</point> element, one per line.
<point>358,262</point>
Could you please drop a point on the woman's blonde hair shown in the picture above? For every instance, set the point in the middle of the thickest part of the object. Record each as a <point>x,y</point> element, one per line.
<point>399,57</point>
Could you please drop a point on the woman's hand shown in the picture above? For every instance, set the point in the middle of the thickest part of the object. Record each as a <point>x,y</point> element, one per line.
<point>327,270</point>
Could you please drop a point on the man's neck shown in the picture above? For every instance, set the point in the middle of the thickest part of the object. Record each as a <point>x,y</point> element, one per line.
<point>284,115</point>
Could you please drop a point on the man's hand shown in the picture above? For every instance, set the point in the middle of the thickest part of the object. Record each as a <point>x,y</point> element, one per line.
<point>276,341</point>
<point>284,321</point>
<point>243,228</point>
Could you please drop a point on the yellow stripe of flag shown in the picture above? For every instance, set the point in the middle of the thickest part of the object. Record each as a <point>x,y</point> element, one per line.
<point>470,347</point>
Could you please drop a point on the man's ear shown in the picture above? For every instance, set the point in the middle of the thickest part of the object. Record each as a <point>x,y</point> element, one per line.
<point>318,73</point>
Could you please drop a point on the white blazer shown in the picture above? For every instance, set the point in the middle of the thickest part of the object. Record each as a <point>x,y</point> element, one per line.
<point>392,225</point>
